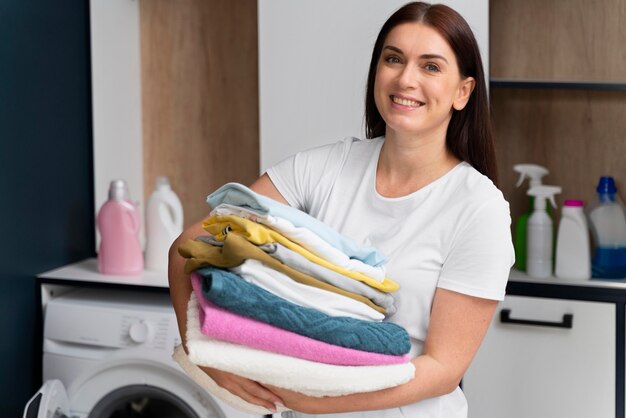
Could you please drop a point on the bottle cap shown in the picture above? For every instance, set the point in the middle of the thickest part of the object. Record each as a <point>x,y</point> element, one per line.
<point>118,190</point>
<point>574,203</point>
<point>606,185</point>
<point>163,182</point>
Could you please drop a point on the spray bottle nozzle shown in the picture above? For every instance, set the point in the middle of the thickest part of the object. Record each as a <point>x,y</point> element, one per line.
<point>532,171</point>
<point>542,193</point>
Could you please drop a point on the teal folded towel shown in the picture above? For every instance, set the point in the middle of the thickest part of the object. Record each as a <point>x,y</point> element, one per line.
<point>231,292</point>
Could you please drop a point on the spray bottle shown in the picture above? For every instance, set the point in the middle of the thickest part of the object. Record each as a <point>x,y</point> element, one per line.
<point>534,173</point>
<point>540,233</point>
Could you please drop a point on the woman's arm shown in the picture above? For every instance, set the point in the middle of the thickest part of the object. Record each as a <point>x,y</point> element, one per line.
<point>457,326</point>
<point>180,291</point>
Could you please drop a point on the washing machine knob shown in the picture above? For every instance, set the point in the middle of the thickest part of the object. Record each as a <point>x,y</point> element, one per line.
<point>140,331</point>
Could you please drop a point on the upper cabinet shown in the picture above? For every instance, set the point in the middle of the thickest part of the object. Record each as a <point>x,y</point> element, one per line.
<point>556,40</point>
<point>558,93</point>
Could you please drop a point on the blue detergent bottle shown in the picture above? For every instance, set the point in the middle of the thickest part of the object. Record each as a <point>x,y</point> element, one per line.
<point>607,220</point>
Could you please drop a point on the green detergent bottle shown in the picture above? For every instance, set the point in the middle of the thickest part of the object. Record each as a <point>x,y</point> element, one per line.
<point>534,173</point>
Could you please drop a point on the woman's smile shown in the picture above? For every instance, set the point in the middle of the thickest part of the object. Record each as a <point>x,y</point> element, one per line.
<point>405,103</point>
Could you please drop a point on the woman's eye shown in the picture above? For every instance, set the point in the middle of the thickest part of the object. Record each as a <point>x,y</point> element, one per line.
<point>392,59</point>
<point>432,67</point>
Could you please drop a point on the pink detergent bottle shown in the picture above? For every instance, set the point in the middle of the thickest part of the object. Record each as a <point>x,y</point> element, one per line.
<point>119,223</point>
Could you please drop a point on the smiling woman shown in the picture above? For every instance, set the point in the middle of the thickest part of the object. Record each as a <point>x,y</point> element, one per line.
<point>418,70</point>
<point>421,190</point>
<point>444,43</point>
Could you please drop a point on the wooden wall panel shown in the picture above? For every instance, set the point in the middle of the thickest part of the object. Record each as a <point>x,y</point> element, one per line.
<point>199,96</point>
<point>578,135</point>
<point>565,40</point>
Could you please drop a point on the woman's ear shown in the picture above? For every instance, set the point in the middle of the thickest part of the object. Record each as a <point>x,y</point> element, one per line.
<point>466,86</point>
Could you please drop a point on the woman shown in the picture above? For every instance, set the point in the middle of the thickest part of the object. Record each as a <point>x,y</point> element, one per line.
<point>421,189</point>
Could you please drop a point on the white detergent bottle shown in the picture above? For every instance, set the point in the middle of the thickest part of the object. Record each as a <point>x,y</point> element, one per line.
<point>540,232</point>
<point>164,223</point>
<point>573,254</point>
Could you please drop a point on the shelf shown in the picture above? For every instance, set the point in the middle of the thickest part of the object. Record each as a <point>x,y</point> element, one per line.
<point>498,83</point>
<point>86,271</point>
<point>520,276</point>
<point>609,290</point>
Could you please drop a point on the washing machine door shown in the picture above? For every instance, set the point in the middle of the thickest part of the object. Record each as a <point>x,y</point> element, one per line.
<point>50,401</point>
<point>138,387</point>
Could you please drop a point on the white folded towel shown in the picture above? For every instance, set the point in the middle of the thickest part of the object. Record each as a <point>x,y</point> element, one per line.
<point>204,381</point>
<point>307,377</point>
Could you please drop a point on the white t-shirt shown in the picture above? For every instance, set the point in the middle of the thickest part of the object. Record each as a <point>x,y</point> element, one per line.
<point>453,233</point>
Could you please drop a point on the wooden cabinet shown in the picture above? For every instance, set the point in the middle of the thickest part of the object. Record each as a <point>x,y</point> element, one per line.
<point>558,40</point>
<point>558,98</point>
<point>546,357</point>
<point>558,93</point>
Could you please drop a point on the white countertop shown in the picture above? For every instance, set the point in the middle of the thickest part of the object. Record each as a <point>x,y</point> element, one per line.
<point>87,271</point>
<point>519,276</point>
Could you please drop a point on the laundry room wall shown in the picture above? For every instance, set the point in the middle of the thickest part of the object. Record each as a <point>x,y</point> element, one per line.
<point>46,165</point>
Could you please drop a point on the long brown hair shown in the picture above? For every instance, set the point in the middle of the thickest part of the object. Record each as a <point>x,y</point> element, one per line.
<point>469,136</point>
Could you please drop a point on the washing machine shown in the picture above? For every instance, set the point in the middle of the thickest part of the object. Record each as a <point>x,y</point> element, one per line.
<point>107,354</point>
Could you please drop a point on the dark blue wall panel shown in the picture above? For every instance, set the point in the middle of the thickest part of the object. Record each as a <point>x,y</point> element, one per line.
<point>46,166</point>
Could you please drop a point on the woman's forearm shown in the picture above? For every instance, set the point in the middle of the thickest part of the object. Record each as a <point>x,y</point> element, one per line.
<point>431,380</point>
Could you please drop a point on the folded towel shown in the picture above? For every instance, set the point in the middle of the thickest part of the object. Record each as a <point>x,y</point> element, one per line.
<point>330,303</point>
<point>305,237</point>
<point>221,226</point>
<point>226,326</point>
<point>230,292</point>
<point>307,377</point>
<point>203,380</point>
<point>239,195</point>
<point>300,263</point>
<point>237,250</point>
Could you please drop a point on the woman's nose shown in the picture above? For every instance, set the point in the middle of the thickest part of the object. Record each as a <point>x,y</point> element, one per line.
<point>408,78</point>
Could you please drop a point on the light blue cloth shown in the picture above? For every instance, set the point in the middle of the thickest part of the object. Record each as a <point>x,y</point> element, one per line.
<point>234,294</point>
<point>239,195</point>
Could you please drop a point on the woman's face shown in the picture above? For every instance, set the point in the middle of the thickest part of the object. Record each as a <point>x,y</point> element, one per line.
<point>418,82</point>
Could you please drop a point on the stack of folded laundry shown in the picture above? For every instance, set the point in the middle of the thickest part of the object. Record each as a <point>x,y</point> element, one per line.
<point>283,299</point>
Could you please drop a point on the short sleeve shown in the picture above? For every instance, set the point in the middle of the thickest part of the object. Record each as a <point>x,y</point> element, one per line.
<point>308,176</point>
<point>481,255</point>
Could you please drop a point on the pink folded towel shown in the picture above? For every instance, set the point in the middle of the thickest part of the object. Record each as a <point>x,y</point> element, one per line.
<point>223,325</point>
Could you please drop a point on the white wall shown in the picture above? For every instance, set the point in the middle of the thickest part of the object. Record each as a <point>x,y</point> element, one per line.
<point>116,90</point>
<point>313,62</point>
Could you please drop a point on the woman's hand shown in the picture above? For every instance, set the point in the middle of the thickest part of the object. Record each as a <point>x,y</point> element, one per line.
<point>299,402</point>
<point>248,390</point>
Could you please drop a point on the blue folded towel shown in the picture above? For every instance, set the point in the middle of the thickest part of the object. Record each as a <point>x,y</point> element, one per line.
<point>239,195</point>
<point>231,292</point>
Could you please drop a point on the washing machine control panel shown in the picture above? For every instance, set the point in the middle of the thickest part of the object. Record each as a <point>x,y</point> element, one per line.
<point>140,329</point>
<point>97,318</point>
